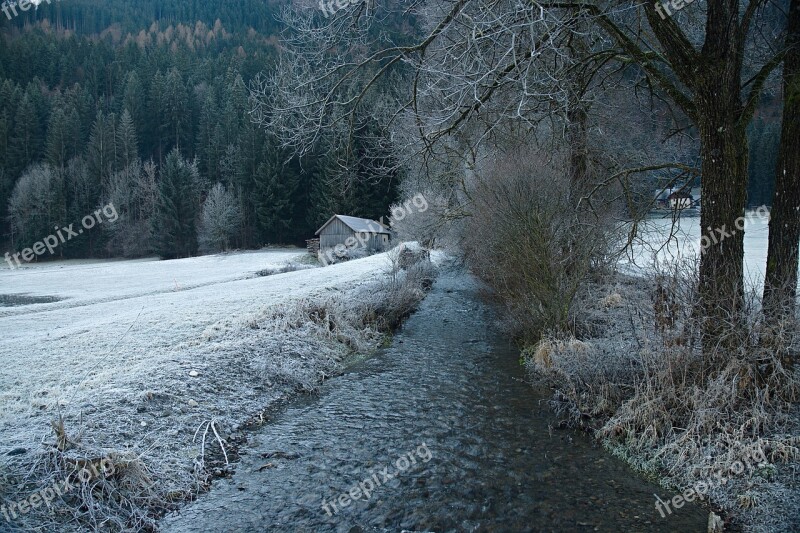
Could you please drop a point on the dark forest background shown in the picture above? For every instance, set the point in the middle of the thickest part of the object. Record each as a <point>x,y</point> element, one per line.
<point>145,104</point>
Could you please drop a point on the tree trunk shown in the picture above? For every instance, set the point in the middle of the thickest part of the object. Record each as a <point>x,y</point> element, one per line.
<point>723,145</point>
<point>780,285</point>
<point>578,113</point>
<point>715,78</point>
<point>578,142</point>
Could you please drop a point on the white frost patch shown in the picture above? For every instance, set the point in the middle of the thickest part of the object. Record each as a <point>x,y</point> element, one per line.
<point>683,242</point>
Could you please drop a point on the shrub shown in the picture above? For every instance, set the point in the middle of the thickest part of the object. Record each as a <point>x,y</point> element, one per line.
<point>531,240</point>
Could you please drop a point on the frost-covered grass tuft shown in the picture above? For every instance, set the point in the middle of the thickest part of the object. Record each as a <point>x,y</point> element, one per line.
<point>282,269</point>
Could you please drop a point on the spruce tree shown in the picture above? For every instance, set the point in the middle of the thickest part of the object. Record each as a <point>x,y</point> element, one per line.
<point>134,100</point>
<point>275,184</point>
<point>127,143</point>
<point>6,123</point>
<point>82,197</point>
<point>26,137</point>
<point>158,130</point>
<point>176,111</point>
<point>327,195</point>
<point>208,142</point>
<point>62,142</point>
<point>6,178</point>
<point>101,152</point>
<point>174,231</point>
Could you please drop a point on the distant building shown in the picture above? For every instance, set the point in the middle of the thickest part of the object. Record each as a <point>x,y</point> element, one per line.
<point>353,232</point>
<point>662,199</point>
<point>677,198</point>
<point>680,200</point>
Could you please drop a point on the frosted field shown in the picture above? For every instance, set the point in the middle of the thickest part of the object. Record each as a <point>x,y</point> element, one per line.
<point>126,327</point>
<point>93,281</point>
<point>683,242</point>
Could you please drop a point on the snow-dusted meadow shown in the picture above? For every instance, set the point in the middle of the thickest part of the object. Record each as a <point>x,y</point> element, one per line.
<point>680,240</point>
<point>133,344</point>
<point>125,322</point>
<point>85,282</point>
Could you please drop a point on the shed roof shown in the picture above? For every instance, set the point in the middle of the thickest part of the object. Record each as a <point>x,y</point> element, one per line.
<point>359,225</point>
<point>680,194</point>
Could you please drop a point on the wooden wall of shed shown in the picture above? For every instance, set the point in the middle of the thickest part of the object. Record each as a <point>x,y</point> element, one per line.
<point>338,232</point>
<point>337,227</point>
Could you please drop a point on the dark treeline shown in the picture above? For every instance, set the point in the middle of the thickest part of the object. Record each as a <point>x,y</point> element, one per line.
<point>88,17</point>
<point>146,105</point>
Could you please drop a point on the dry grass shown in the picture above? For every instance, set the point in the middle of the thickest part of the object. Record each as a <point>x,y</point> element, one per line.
<point>282,269</point>
<point>88,487</point>
<point>641,382</point>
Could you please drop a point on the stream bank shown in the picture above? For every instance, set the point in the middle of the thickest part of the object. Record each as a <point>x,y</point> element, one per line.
<point>451,383</point>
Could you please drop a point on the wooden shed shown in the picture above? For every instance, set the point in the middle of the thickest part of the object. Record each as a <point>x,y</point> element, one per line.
<point>680,200</point>
<point>353,232</point>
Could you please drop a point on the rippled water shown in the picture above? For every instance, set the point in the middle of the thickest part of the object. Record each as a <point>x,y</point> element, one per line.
<point>451,382</point>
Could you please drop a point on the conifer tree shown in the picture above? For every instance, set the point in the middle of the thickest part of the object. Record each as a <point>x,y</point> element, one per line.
<point>101,152</point>
<point>176,208</point>
<point>62,142</point>
<point>274,187</point>
<point>127,142</point>
<point>26,138</point>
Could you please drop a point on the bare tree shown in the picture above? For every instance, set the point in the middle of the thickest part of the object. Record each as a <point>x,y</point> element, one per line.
<point>133,191</point>
<point>221,219</point>
<point>36,204</point>
<point>420,218</point>
<point>480,64</point>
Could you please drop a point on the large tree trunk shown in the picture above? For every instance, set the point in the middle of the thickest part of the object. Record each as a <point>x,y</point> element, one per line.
<point>721,291</point>
<point>723,144</point>
<point>713,75</point>
<point>780,285</point>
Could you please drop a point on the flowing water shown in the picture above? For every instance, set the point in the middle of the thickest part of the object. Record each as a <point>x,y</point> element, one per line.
<point>446,414</point>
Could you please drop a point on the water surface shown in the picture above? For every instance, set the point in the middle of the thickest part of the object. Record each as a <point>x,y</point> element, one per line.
<point>449,381</point>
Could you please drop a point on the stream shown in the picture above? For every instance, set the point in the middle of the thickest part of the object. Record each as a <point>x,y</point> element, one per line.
<point>438,432</point>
